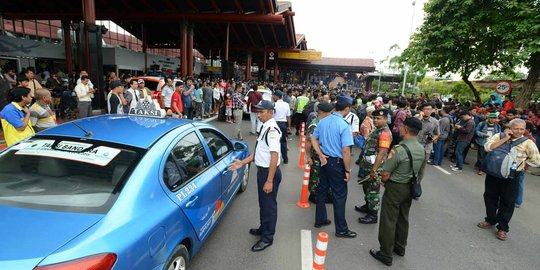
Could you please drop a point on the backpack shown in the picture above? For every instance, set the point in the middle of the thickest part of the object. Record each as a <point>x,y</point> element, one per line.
<point>310,107</point>
<point>502,159</point>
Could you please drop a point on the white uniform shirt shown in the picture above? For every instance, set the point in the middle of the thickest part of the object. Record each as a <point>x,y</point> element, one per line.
<point>353,121</point>
<point>281,111</point>
<point>262,150</point>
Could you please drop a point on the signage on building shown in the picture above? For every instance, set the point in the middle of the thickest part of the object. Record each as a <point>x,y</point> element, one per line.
<point>271,56</point>
<point>301,55</point>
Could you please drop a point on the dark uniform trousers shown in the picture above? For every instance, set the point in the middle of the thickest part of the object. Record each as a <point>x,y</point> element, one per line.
<point>500,197</point>
<point>283,127</point>
<point>332,176</point>
<point>268,204</point>
<point>394,222</point>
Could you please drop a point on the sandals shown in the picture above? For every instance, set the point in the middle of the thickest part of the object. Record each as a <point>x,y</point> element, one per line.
<point>502,235</point>
<point>484,225</point>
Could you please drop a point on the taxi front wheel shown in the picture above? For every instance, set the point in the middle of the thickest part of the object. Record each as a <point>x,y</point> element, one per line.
<point>179,259</point>
<point>245,179</point>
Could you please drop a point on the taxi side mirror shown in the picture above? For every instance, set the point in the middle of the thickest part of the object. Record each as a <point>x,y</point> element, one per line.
<point>238,146</point>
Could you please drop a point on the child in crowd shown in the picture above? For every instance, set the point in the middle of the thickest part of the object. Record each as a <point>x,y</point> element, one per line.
<point>228,109</point>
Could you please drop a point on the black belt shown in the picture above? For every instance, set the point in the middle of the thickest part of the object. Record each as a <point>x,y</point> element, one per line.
<point>264,169</point>
<point>237,109</point>
<point>330,157</point>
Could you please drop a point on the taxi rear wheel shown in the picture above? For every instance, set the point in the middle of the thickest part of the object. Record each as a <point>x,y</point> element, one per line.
<point>245,179</point>
<point>179,259</point>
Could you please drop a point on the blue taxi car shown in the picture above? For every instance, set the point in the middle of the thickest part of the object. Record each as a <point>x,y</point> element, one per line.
<point>115,192</point>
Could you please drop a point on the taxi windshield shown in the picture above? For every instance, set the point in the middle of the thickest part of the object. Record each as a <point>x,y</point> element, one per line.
<point>64,174</point>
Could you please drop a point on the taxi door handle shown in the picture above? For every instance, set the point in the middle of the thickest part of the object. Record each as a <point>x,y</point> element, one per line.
<point>192,201</point>
<point>225,172</point>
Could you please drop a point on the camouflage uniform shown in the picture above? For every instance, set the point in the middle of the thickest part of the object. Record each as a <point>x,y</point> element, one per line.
<point>314,174</point>
<point>377,138</point>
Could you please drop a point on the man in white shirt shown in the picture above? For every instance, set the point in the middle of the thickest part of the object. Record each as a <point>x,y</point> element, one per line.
<point>166,93</point>
<point>84,95</point>
<point>84,73</point>
<point>266,156</point>
<point>282,115</point>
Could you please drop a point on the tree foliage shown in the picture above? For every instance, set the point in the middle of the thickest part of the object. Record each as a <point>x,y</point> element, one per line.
<point>466,36</point>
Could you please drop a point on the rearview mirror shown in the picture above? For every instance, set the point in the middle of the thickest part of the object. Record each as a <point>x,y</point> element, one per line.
<point>238,146</point>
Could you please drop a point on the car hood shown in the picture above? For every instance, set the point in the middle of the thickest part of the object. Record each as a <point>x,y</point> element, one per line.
<point>27,235</point>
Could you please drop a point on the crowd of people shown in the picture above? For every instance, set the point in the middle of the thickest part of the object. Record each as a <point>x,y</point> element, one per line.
<point>391,139</point>
<point>396,137</point>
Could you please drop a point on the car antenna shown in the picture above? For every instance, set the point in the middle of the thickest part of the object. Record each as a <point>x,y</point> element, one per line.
<point>86,133</point>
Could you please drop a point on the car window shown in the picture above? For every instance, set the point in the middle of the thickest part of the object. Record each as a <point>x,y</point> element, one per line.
<point>152,85</point>
<point>64,174</point>
<point>187,159</point>
<point>219,146</point>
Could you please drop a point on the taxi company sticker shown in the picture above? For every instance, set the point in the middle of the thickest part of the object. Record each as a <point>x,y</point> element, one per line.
<point>100,156</point>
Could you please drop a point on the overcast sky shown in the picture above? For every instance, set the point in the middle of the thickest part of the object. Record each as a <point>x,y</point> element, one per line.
<point>356,28</point>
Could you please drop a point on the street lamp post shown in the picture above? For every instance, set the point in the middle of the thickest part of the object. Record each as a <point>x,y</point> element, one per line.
<point>406,65</point>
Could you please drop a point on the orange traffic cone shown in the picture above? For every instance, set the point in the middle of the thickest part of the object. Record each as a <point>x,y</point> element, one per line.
<point>320,251</point>
<point>302,152</point>
<point>302,134</point>
<point>303,203</point>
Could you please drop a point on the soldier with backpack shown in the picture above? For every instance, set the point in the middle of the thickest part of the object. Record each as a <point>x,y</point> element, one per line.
<point>507,152</point>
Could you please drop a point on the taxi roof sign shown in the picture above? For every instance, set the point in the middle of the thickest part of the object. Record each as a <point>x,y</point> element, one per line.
<point>147,107</point>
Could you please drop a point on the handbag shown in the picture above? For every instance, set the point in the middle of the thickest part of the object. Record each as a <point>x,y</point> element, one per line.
<point>416,188</point>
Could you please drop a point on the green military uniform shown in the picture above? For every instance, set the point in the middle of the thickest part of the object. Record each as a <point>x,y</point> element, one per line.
<point>396,201</point>
<point>380,137</point>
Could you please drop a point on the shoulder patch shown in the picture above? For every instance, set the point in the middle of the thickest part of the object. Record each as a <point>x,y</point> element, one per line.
<point>391,154</point>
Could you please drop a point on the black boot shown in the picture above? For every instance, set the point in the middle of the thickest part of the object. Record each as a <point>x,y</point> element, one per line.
<point>370,218</point>
<point>362,209</point>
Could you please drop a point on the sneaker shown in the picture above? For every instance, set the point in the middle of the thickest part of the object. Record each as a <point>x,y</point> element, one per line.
<point>453,166</point>
<point>518,205</point>
<point>456,169</point>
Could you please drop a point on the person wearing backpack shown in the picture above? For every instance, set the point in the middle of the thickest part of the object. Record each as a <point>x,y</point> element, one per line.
<point>483,131</point>
<point>507,152</point>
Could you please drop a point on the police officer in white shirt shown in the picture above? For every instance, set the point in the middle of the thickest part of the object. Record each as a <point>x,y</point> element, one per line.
<point>282,115</point>
<point>266,156</point>
<point>354,123</point>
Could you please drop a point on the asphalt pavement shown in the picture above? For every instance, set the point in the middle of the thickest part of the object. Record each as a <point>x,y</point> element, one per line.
<point>442,235</point>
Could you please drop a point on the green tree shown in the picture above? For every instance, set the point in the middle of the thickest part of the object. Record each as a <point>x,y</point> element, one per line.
<point>456,37</point>
<point>517,24</point>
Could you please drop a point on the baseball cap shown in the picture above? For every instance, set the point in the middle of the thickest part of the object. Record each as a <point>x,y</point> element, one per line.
<point>140,81</point>
<point>278,93</point>
<point>265,105</point>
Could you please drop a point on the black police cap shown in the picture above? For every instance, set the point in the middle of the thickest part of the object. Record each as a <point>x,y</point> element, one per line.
<point>325,107</point>
<point>380,112</point>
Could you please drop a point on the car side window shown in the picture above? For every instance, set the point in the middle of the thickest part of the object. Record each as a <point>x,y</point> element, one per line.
<point>187,159</point>
<point>219,146</point>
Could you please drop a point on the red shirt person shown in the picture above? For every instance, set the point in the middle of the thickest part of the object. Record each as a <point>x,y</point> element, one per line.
<point>176,100</point>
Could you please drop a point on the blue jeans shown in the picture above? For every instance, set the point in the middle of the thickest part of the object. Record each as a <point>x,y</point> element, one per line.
<point>521,177</point>
<point>460,153</point>
<point>439,152</point>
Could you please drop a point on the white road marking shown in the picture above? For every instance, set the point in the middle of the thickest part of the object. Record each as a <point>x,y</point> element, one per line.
<point>210,119</point>
<point>442,170</point>
<point>306,249</point>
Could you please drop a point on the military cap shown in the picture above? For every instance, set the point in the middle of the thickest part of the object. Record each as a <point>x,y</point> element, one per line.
<point>380,112</point>
<point>325,107</point>
<point>413,122</point>
<point>492,115</point>
<point>345,100</point>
